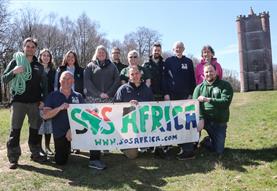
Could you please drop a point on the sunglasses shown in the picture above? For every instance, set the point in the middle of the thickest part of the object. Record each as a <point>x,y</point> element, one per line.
<point>30,47</point>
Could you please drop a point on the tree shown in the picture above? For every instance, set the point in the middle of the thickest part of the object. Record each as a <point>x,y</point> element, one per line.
<point>86,38</point>
<point>142,40</point>
<point>5,45</point>
<point>27,24</point>
<point>232,77</point>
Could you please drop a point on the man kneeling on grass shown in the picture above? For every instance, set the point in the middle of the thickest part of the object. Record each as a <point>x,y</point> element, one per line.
<point>134,92</point>
<point>215,97</point>
<point>55,108</point>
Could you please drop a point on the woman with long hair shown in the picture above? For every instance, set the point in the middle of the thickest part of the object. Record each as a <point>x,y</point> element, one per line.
<point>45,59</point>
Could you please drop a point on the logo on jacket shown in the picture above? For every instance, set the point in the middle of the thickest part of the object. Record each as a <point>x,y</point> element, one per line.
<point>75,100</point>
<point>184,66</point>
<point>216,91</point>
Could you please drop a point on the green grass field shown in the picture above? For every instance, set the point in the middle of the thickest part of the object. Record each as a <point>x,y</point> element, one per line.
<point>249,161</point>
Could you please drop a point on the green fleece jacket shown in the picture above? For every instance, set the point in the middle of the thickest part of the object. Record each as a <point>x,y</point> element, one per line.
<point>221,94</point>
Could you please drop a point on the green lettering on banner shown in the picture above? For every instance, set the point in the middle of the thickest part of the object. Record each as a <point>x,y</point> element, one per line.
<point>93,121</point>
<point>105,141</point>
<point>111,130</point>
<point>166,113</point>
<point>176,110</point>
<point>112,141</point>
<point>190,108</point>
<point>143,117</point>
<point>157,115</point>
<point>73,117</point>
<point>97,142</point>
<point>95,124</point>
<point>129,119</point>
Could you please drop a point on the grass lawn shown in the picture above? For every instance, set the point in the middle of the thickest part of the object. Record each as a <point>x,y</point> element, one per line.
<point>249,161</point>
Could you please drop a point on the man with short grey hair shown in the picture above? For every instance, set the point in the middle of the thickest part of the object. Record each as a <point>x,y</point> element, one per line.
<point>180,83</point>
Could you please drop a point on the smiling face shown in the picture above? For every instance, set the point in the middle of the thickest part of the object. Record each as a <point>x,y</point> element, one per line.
<point>66,80</point>
<point>133,59</point>
<point>101,55</point>
<point>178,50</point>
<point>70,60</point>
<point>207,54</point>
<point>45,58</point>
<point>134,75</point>
<point>156,52</point>
<point>29,49</point>
<point>209,73</point>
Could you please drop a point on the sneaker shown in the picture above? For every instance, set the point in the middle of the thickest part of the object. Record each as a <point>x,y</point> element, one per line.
<point>42,152</point>
<point>97,164</point>
<point>49,152</point>
<point>39,159</point>
<point>13,165</point>
<point>186,156</point>
<point>76,151</point>
<point>142,150</point>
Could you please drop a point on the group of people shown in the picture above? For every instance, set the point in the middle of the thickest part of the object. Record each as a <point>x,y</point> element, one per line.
<point>45,94</point>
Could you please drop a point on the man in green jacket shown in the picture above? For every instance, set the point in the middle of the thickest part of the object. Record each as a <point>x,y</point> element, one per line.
<point>215,97</point>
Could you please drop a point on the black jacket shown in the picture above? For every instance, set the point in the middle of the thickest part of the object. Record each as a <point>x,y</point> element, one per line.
<point>157,75</point>
<point>36,87</point>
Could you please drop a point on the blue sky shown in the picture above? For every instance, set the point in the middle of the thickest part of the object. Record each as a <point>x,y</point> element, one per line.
<point>196,23</point>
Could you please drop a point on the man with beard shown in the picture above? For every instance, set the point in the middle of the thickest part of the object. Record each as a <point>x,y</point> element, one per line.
<point>215,97</point>
<point>28,87</point>
<point>155,66</point>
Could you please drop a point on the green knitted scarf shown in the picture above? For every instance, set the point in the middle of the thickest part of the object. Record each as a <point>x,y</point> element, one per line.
<point>18,83</point>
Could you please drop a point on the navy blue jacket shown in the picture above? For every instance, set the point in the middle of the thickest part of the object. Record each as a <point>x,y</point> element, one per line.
<point>179,77</point>
<point>60,122</point>
<point>129,91</point>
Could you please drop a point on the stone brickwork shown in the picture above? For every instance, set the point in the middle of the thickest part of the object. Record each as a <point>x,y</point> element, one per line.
<point>256,71</point>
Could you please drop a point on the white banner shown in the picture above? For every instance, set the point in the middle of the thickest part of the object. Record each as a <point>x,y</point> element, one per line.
<point>109,126</point>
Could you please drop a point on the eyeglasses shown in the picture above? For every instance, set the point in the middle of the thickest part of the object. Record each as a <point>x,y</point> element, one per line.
<point>116,53</point>
<point>133,57</point>
<point>32,47</point>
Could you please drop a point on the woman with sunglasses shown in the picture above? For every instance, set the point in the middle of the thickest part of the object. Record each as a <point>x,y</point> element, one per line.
<point>133,60</point>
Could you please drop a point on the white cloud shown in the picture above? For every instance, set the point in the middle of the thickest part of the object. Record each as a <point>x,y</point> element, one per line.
<point>230,49</point>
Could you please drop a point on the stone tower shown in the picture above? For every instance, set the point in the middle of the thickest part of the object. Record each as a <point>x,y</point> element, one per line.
<point>256,71</point>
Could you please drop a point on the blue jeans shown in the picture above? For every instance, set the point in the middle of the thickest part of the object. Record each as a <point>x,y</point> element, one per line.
<point>217,134</point>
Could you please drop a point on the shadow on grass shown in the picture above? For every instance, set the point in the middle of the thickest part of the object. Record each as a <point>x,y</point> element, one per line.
<point>148,173</point>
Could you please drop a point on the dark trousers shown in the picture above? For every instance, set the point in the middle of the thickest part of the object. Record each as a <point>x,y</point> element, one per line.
<point>94,155</point>
<point>186,147</point>
<point>62,150</point>
<point>18,113</point>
